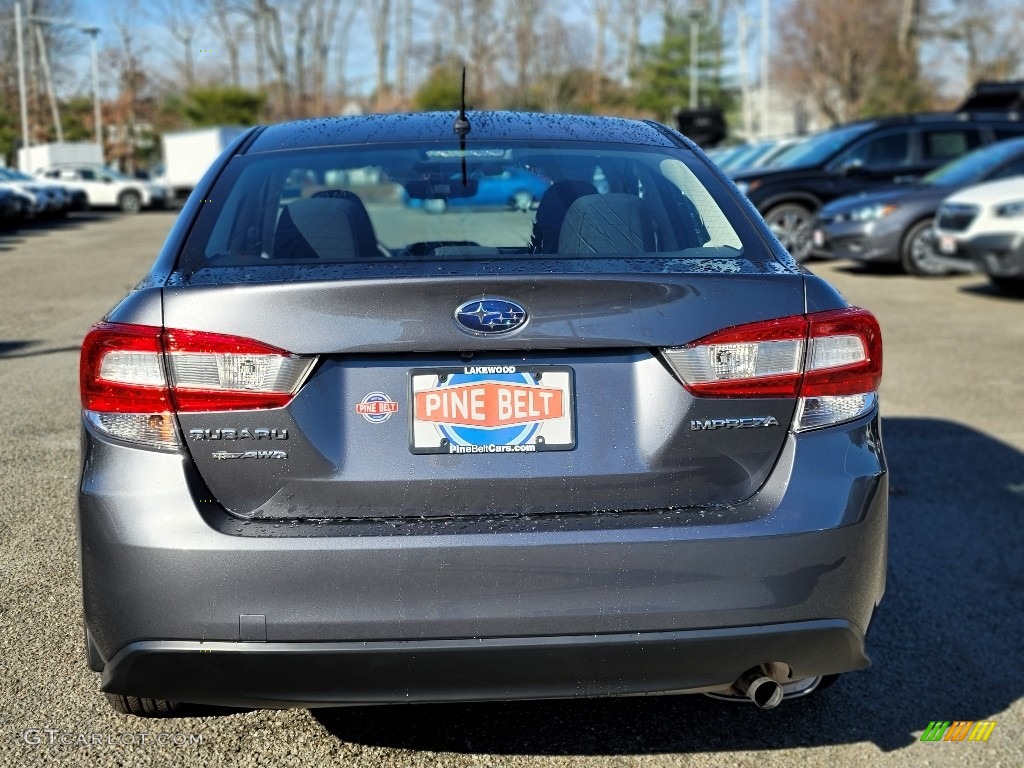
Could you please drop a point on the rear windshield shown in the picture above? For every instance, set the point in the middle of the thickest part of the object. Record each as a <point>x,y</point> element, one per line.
<point>424,202</point>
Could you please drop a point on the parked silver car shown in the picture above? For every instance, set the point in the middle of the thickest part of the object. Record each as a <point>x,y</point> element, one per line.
<point>339,452</point>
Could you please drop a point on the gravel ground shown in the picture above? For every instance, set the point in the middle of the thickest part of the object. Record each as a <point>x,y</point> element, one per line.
<point>946,643</point>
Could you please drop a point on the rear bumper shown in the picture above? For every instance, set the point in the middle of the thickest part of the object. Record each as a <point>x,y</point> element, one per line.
<point>332,674</point>
<point>999,255</point>
<point>303,614</point>
<point>874,241</point>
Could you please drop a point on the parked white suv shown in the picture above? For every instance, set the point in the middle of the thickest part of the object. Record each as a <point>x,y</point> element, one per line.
<point>985,224</point>
<point>106,187</point>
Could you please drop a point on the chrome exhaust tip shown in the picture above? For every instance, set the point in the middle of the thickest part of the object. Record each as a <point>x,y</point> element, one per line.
<point>763,691</point>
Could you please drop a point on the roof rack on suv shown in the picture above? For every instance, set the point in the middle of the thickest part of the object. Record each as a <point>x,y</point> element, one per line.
<point>994,96</point>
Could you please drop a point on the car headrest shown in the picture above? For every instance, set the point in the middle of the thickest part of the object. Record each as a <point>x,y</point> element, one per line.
<point>612,223</point>
<point>325,227</point>
<point>551,211</point>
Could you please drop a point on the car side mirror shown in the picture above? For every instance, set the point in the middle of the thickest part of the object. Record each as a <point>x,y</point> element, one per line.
<point>107,180</point>
<point>852,167</point>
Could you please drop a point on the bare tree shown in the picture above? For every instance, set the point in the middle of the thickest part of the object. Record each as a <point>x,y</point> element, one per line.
<point>301,14</point>
<point>990,34</point>
<point>230,23</point>
<point>181,24</point>
<point>267,18</point>
<point>125,59</point>
<point>601,11</point>
<point>627,17</point>
<point>402,44</point>
<point>49,53</point>
<point>521,18</point>
<point>379,14</point>
<point>839,53</point>
<point>482,30</point>
<point>326,32</point>
<point>469,30</point>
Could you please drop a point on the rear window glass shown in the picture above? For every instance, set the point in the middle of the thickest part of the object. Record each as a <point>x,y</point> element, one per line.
<point>946,145</point>
<point>423,202</point>
<point>889,150</point>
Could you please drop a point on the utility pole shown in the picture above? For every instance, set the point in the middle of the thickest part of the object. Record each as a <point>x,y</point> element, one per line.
<point>44,59</point>
<point>744,72</point>
<point>93,33</point>
<point>694,53</point>
<point>765,64</point>
<point>22,97</point>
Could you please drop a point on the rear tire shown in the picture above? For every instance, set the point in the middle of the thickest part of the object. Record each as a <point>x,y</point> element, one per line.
<point>917,255</point>
<point>141,707</point>
<point>129,202</point>
<point>791,223</point>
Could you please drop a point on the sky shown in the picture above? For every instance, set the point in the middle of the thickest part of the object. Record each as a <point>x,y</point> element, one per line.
<point>162,51</point>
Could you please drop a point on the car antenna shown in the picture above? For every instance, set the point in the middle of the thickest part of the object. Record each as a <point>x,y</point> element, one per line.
<point>461,128</point>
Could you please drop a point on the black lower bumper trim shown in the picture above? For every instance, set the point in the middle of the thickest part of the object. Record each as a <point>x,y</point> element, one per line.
<point>282,675</point>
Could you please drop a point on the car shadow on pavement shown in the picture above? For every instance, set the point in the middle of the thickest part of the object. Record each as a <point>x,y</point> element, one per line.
<point>10,350</point>
<point>13,347</point>
<point>989,291</point>
<point>946,641</point>
<point>870,268</point>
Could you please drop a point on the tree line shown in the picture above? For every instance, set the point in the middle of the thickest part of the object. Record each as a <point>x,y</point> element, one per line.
<point>175,64</point>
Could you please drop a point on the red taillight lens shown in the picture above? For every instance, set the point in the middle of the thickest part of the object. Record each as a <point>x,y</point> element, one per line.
<point>845,353</point>
<point>821,354</point>
<point>125,369</point>
<point>122,370</point>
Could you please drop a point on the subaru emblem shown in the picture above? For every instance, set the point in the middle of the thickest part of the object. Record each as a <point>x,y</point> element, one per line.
<point>490,317</point>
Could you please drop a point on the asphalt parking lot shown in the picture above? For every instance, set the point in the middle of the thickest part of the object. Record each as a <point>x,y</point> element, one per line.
<point>946,644</point>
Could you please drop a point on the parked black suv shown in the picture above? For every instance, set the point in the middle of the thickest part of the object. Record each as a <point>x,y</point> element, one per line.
<point>860,156</point>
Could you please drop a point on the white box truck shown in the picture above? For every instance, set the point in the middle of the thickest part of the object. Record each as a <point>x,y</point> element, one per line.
<point>32,159</point>
<point>188,154</point>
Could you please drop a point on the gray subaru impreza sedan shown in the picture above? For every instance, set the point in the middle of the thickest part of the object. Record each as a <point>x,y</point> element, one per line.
<point>347,444</point>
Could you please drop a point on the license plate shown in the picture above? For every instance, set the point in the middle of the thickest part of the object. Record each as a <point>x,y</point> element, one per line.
<point>818,238</point>
<point>489,409</point>
<point>947,245</point>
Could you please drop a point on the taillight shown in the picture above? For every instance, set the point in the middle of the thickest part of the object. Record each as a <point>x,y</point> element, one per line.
<point>845,354</point>
<point>831,360</point>
<point>213,372</point>
<point>758,360</point>
<point>134,377</point>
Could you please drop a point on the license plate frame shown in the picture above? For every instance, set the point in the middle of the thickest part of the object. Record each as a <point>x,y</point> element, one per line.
<point>492,409</point>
